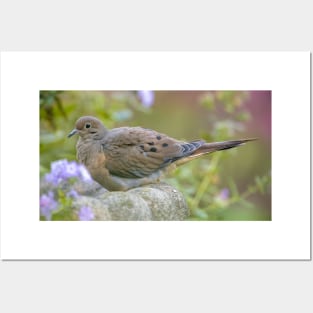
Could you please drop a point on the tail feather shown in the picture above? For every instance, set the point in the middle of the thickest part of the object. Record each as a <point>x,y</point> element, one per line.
<point>212,147</point>
<point>223,145</point>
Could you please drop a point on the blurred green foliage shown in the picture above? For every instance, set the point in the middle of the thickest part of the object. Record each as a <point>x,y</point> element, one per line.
<point>210,193</point>
<point>207,198</point>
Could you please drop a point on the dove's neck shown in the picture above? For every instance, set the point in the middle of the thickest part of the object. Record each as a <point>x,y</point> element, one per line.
<point>100,134</point>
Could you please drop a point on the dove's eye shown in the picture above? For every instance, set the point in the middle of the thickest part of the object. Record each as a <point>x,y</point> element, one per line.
<point>87,125</point>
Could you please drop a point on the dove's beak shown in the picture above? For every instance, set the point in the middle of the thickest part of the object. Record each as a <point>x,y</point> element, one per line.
<point>73,132</point>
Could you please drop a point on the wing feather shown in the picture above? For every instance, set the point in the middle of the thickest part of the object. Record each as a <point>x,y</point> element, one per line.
<point>135,152</point>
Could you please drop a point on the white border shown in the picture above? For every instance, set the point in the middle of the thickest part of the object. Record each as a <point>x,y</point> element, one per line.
<point>23,74</point>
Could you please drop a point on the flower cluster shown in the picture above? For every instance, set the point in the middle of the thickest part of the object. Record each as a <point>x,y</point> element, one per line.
<point>48,205</point>
<point>61,171</point>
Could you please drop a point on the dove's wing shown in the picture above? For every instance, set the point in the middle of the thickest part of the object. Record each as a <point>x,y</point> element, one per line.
<point>135,152</point>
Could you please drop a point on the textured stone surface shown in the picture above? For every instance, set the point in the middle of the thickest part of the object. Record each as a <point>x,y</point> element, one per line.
<point>152,202</point>
<point>125,206</point>
<point>158,202</point>
<point>165,202</point>
<point>99,209</point>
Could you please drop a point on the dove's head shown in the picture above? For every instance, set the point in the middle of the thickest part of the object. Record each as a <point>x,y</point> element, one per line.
<point>89,127</point>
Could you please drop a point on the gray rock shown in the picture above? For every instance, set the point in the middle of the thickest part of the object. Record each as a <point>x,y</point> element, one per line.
<point>158,202</point>
<point>100,210</point>
<point>125,206</point>
<point>164,201</point>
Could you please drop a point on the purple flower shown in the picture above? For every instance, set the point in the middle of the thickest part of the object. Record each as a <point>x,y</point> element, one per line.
<point>61,170</point>
<point>146,97</point>
<point>85,214</point>
<point>47,205</point>
<point>72,194</point>
<point>224,194</point>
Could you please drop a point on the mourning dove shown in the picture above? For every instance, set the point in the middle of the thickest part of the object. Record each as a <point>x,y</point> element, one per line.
<point>128,157</point>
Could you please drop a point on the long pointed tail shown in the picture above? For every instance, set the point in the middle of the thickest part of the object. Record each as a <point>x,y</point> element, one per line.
<point>223,145</point>
<point>212,147</point>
